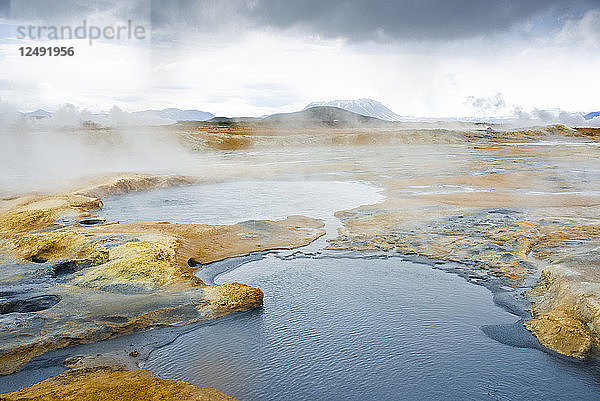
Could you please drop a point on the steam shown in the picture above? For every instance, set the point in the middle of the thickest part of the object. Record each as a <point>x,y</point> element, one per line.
<point>71,116</point>
<point>8,114</point>
<point>41,154</point>
<point>537,117</point>
<point>488,108</point>
<point>487,105</point>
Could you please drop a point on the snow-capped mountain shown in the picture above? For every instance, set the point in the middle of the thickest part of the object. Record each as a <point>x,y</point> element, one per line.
<point>39,113</point>
<point>591,115</point>
<point>365,107</point>
<point>178,115</point>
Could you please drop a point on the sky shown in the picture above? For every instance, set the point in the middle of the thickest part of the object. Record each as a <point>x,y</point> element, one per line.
<point>431,58</point>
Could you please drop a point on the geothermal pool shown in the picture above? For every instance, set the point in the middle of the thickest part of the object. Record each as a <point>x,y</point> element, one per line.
<point>356,329</point>
<point>336,325</point>
<point>346,326</point>
<point>232,202</point>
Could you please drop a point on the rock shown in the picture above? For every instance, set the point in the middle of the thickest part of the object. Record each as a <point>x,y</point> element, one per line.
<point>561,331</point>
<point>33,304</point>
<point>113,383</point>
<point>234,296</point>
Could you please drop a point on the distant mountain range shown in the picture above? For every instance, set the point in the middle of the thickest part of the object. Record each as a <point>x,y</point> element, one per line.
<point>365,107</point>
<point>334,113</point>
<point>177,114</point>
<point>170,114</point>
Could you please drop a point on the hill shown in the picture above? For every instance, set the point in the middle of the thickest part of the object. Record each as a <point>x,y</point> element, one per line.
<point>365,107</point>
<point>323,116</point>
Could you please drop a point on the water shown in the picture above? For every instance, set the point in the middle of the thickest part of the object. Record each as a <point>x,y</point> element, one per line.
<point>356,329</point>
<point>342,328</point>
<point>232,202</point>
<point>335,327</point>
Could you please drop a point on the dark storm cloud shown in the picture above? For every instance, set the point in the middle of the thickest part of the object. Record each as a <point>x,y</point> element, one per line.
<point>4,9</point>
<point>70,11</point>
<point>363,19</point>
<point>357,20</point>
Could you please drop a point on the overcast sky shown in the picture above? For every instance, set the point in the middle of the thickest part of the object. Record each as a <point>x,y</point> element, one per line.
<point>254,57</point>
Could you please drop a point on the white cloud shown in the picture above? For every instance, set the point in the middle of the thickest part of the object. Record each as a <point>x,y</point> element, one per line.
<point>267,70</point>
